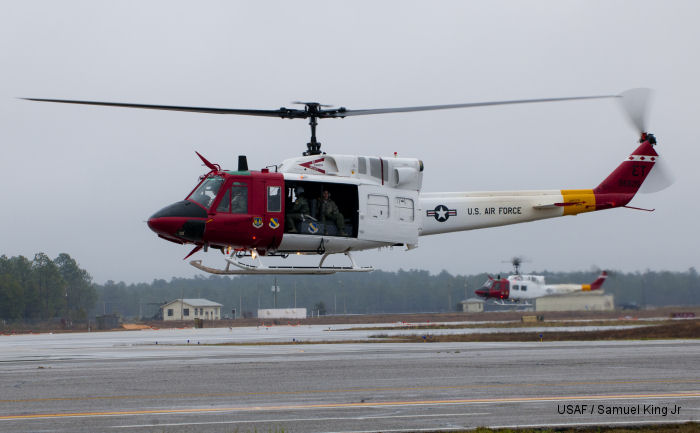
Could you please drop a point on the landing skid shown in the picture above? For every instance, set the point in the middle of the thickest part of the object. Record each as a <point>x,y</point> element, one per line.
<point>258,268</point>
<point>512,303</point>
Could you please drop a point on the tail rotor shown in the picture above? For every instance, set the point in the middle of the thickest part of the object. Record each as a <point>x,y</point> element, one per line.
<point>635,103</point>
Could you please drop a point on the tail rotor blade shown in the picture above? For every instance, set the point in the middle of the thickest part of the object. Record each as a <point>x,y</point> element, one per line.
<point>635,102</point>
<point>660,177</point>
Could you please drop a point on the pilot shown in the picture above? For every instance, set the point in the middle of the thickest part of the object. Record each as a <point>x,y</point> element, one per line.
<point>239,200</point>
<point>329,210</point>
<point>296,213</point>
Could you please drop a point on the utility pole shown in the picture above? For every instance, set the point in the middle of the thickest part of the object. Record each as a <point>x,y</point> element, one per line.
<point>275,290</point>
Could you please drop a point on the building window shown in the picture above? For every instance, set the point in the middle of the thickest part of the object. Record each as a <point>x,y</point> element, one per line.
<point>170,312</point>
<point>186,312</point>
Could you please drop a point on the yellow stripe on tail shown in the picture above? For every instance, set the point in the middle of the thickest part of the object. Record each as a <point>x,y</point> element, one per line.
<point>578,201</point>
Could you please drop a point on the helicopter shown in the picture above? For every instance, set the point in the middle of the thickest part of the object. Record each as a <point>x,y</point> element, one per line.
<point>254,216</point>
<point>521,288</point>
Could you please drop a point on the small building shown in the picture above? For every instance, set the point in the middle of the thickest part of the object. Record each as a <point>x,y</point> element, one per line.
<point>584,301</point>
<point>190,309</point>
<point>472,305</point>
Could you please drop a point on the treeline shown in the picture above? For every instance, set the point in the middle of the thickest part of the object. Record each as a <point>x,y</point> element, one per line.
<point>375,292</point>
<point>42,289</point>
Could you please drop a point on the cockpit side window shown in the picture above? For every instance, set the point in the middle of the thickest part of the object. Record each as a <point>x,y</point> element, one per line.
<point>274,199</point>
<point>207,191</point>
<point>235,200</point>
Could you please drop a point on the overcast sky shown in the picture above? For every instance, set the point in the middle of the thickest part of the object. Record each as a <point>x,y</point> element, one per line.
<point>83,180</point>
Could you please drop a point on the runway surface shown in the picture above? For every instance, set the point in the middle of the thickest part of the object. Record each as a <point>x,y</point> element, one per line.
<point>125,382</point>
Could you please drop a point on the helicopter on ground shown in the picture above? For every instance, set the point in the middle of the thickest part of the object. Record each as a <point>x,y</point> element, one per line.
<point>517,288</point>
<point>251,214</point>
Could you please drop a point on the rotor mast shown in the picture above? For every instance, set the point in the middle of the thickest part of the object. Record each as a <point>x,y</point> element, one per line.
<point>313,146</point>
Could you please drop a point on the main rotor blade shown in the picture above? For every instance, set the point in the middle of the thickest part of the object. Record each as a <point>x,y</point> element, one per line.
<point>282,112</point>
<point>343,113</point>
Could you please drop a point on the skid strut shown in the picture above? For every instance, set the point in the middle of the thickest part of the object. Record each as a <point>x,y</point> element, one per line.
<point>235,266</point>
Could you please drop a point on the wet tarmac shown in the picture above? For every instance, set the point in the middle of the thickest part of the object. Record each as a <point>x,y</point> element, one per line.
<point>124,381</point>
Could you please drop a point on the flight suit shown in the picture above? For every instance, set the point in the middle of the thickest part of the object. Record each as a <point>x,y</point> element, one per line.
<point>299,208</point>
<point>329,210</point>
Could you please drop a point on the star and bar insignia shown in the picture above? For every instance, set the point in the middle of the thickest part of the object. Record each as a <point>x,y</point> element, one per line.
<point>441,213</point>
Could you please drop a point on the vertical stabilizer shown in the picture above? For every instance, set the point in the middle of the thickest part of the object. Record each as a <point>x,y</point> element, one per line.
<point>624,182</point>
<point>597,284</point>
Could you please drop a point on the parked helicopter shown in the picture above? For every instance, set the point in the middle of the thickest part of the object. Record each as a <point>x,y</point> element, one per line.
<point>522,288</point>
<point>247,214</point>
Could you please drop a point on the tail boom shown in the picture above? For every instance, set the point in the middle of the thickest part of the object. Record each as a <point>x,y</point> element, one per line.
<point>451,212</point>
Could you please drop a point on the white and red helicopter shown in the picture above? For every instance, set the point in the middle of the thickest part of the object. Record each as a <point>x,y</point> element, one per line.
<point>521,288</point>
<point>242,212</point>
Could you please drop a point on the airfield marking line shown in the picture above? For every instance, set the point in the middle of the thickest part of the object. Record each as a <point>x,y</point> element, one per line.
<point>576,424</point>
<point>352,405</point>
<point>361,417</point>
<point>347,390</point>
<point>431,429</point>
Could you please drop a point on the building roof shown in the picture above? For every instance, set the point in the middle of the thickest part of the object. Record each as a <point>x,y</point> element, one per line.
<point>195,302</point>
<point>471,301</point>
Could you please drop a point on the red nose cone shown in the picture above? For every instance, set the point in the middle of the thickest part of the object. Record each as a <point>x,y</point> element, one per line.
<point>180,222</point>
<point>481,292</point>
<point>167,226</point>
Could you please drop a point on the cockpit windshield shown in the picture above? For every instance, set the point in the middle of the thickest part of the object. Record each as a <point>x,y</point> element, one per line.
<point>207,191</point>
<point>486,284</point>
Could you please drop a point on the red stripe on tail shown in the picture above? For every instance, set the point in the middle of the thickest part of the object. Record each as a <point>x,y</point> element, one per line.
<point>595,285</point>
<point>623,183</point>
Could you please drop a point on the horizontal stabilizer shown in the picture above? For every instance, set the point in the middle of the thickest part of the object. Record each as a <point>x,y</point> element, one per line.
<point>555,205</point>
